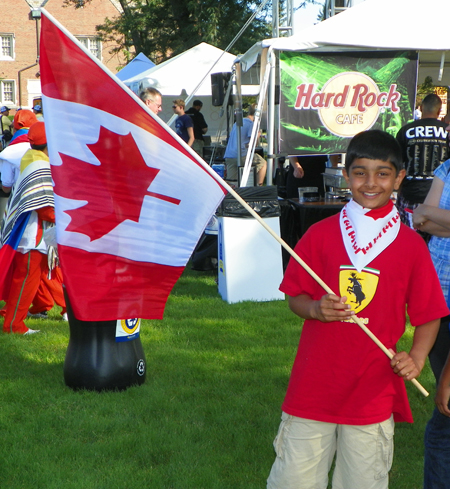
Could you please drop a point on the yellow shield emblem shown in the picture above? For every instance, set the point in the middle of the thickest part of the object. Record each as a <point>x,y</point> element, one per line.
<point>358,287</point>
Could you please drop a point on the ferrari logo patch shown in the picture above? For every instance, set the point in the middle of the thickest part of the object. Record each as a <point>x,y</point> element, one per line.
<point>358,287</point>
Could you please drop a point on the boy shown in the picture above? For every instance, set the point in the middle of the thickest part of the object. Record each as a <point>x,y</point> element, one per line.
<point>344,394</point>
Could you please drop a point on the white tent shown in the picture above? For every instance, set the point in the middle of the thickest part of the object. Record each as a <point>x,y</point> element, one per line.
<point>370,26</point>
<point>185,71</point>
<point>180,76</point>
<point>136,66</point>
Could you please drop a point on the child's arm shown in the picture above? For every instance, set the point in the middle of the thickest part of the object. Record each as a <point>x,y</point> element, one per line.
<point>329,308</point>
<point>443,391</point>
<point>410,365</point>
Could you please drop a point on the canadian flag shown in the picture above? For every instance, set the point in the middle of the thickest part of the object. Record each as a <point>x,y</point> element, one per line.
<point>131,198</point>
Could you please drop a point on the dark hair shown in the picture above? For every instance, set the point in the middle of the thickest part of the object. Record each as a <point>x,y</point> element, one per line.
<point>39,147</point>
<point>431,103</point>
<point>197,103</point>
<point>252,109</point>
<point>374,145</point>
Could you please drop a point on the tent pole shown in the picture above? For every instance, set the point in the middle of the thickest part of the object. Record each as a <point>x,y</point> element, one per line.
<point>256,125</point>
<point>237,110</point>
<point>441,69</point>
<point>271,119</point>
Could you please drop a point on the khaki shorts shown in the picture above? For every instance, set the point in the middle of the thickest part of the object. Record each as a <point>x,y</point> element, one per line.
<point>232,172</point>
<point>198,146</point>
<point>305,450</point>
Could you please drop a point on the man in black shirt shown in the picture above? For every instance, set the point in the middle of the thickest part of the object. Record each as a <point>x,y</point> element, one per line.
<point>425,145</point>
<point>200,126</point>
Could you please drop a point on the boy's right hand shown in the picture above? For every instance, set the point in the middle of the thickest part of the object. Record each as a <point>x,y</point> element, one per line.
<point>331,308</point>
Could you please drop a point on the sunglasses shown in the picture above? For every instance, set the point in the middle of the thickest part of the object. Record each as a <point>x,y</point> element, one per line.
<point>174,106</point>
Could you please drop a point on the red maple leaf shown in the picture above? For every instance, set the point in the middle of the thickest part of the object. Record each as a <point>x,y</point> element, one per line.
<point>115,189</point>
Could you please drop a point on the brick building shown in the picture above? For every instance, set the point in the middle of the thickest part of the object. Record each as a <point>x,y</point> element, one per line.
<point>19,40</point>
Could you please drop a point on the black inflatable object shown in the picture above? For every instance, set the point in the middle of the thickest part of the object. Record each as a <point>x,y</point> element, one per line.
<point>95,361</point>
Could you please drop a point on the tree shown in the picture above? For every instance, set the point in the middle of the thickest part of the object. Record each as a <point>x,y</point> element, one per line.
<point>164,28</point>
<point>424,89</point>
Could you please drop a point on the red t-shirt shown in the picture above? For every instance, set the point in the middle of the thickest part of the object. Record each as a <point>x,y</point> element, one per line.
<point>340,375</point>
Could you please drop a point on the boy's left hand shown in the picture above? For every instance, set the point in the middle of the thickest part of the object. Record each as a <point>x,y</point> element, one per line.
<point>404,366</point>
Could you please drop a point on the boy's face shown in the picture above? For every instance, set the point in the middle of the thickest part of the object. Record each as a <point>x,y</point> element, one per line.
<point>372,181</point>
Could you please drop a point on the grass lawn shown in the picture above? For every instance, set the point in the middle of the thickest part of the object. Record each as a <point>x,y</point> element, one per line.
<point>204,419</point>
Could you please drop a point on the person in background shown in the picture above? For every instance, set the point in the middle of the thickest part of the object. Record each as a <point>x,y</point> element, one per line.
<point>335,359</point>
<point>5,125</point>
<point>433,217</point>
<point>29,212</point>
<point>184,126</point>
<point>200,126</point>
<point>37,109</point>
<point>417,113</point>
<point>11,156</point>
<point>425,146</point>
<point>231,151</point>
<point>305,171</point>
<point>152,98</point>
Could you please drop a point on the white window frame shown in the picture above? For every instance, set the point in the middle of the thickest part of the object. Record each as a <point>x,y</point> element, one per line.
<point>9,39</point>
<point>3,90</point>
<point>92,44</point>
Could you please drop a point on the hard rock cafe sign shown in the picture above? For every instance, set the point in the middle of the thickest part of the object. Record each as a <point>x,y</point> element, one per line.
<point>328,98</point>
<point>348,102</point>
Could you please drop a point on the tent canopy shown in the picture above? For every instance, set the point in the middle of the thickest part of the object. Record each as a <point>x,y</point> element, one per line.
<point>185,72</point>
<point>136,66</point>
<point>377,25</point>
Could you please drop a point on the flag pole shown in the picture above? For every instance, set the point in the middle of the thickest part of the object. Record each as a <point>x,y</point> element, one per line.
<point>355,318</point>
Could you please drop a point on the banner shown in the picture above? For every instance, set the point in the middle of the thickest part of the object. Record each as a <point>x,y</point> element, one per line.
<point>327,98</point>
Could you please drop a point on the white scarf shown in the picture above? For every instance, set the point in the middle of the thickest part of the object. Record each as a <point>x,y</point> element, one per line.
<point>367,232</point>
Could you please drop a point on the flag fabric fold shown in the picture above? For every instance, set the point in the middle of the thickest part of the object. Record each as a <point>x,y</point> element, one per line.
<point>131,199</point>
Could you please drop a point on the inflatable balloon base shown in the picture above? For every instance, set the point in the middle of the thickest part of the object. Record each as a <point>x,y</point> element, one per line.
<point>96,360</point>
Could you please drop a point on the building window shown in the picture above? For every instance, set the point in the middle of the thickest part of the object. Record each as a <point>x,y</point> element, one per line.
<point>6,46</point>
<point>7,94</point>
<point>93,45</point>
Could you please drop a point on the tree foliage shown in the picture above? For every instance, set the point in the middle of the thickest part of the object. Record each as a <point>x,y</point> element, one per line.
<point>164,28</point>
<point>424,89</point>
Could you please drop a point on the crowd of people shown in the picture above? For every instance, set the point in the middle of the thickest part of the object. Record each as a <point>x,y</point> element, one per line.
<point>387,260</point>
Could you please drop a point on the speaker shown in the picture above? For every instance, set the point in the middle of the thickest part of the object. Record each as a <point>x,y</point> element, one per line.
<point>219,85</point>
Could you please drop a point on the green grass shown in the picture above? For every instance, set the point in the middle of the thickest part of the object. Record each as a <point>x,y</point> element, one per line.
<point>204,419</point>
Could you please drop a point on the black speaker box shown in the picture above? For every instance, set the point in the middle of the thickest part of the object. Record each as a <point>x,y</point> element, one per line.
<point>219,85</point>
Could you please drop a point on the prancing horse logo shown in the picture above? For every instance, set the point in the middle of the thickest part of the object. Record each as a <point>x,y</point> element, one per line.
<point>358,287</point>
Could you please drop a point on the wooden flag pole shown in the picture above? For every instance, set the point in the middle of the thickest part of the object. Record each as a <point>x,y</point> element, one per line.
<point>316,278</point>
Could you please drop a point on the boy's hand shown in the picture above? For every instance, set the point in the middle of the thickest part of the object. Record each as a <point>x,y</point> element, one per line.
<point>404,365</point>
<point>331,308</point>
